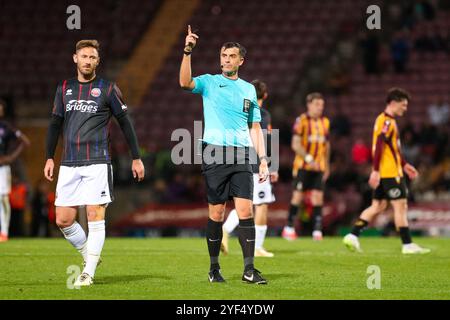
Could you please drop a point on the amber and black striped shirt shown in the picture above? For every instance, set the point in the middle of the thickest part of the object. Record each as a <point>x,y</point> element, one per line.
<point>314,135</point>
<point>387,157</point>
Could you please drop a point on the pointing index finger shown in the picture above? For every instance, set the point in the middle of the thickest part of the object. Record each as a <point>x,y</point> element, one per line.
<point>189,29</point>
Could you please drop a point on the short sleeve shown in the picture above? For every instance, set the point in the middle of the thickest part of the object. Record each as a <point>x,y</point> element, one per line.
<point>58,103</point>
<point>254,112</point>
<point>116,102</point>
<point>201,84</point>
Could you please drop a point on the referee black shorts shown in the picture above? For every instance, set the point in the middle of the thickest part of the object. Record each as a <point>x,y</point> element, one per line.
<point>228,179</point>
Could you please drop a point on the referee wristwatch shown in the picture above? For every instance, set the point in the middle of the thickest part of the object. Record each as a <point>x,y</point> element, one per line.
<point>264,158</point>
<point>187,50</point>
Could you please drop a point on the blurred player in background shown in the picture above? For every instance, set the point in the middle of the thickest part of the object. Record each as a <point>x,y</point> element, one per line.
<point>310,142</point>
<point>8,135</point>
<point>82,110</point>
<point>262,192</point>
<point>387,178</point>
<point>232,126</point>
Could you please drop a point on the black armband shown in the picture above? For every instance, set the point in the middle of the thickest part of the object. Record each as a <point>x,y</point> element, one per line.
<point>52,135</point>
<point>129,133</point>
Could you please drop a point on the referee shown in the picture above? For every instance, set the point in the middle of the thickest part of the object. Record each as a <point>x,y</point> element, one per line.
<point>232,126</point>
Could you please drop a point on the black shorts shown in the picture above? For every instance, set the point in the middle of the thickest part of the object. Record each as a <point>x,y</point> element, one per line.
<point>391,189</point>
<point>308,180</point>
<point>224,181</point>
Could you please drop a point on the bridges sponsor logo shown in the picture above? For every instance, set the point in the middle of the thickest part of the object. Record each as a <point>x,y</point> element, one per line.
<point>89,106</point>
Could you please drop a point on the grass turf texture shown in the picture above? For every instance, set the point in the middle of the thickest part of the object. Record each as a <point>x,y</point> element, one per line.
<point>163,269</point>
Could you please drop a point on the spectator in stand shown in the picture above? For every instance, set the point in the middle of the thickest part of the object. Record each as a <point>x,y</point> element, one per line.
<point>424,10</point>
<point>159,190</point>
<point>361,153</point>
<point>445,35</point>
<point>177,190</point>
<point>370,51</point>
<point>195,187</point>
<point>422,42</point>
<point>43,210</point>
<point>427,136</point>
<point>396,15</point>
<point>439,112</point>
<point>400,52</point>
<point>340,124</point>
<point>341,173</point>
<point>431,39</point>
<point>18,201</point>
<point>410,147</point>
<point>441,142</point>
<point>338,79</point>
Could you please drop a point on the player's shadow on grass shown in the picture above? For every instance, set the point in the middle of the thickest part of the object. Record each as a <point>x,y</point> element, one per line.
<point>270,276</point>
<point>293,250</point>
<point>129,278</point>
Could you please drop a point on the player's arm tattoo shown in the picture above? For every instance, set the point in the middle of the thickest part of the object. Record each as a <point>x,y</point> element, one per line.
<point>296,146</point>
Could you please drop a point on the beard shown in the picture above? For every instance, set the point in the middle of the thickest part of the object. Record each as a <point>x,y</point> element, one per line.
<point>87,73</point>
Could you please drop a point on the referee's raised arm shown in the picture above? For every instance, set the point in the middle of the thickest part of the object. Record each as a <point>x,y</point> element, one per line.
<point>186,81</point>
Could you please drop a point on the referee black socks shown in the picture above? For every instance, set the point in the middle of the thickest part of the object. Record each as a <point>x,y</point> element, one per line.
<point>246,232</point>
<point>214,239</point>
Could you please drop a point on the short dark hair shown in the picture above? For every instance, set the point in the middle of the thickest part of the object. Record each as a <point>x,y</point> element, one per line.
<point>397,94</point>
<point>87,44</point>
<point>261,88</point>
<point>314,95</point>
<point>242,50</point>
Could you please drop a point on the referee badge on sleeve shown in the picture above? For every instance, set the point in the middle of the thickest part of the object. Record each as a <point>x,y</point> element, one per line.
<point>247,104</point>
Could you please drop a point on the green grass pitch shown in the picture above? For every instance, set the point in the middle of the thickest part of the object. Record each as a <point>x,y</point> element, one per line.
<point>164,269</point>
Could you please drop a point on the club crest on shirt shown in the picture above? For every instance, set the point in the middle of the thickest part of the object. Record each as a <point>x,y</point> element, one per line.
<point>68,92</point>
<point>386,126</point>
<point>247,104</point>
<point>96,92</point>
